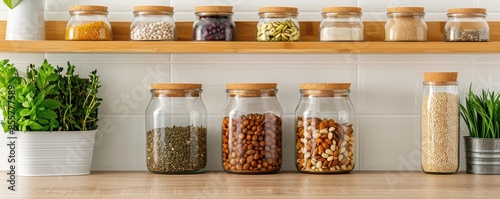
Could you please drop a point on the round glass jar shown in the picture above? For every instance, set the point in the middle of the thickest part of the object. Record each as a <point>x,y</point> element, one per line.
<point>325,138</point>
<point>341,24</point>
<point>405,24</point>
<point>440,123</point>
<point>251,129</point>
<point>176,129</point>
<point>467,24</point>
<point>88,23</point>
<point>278,24</point>
<point>153,23</point>
<point>214,23</point>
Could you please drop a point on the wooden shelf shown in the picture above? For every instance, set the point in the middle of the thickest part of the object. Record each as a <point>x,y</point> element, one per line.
<point>245,42</point>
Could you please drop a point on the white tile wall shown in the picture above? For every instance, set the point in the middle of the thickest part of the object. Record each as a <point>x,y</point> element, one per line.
<point>386,87</point>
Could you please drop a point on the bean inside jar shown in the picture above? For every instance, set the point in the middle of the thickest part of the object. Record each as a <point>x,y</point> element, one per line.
<point>252,143</point>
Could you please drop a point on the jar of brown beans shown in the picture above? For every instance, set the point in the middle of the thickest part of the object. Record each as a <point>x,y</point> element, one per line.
<point>251,129</point>
<point>88,23</point>
<point>325,133</point>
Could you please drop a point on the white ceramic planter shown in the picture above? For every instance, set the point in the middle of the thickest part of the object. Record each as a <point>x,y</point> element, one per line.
<point>54,153</point>
<point>26,21</point>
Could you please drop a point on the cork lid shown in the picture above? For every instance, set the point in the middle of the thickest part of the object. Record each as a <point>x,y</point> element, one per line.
<point>175,86</point>
<point>251,86</point>
<point>405,9</point>
<point>467,10</point>
<point>153,8</point>
<point>342,9</point>
<point>440,76</point>
<point>214,9</point>
<point>89,8</point>
<point>277,9</point>
<point>325,86</point>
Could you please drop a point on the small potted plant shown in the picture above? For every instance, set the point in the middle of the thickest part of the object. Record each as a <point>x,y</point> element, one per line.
<point>55,115</point>
<point>481,113</point>
<point>25,20</point>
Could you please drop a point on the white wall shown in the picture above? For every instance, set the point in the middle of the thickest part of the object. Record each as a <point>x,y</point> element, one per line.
<point>386,88</point>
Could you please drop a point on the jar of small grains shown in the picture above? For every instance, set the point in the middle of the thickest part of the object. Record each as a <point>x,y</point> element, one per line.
<point>88,23</point>
<point>214,23</point>
<point>176,129</point>
<point>153,23</point>
<point>467,24</point>
<point>324,139</point>
<point>278,24</point>
<point>405,24</point>
<point>341,24</point>
<point>251,129</point>
<point>440,123</point>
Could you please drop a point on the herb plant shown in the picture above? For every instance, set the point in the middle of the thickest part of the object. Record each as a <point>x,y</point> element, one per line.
<point>481,113</point>
<point>47,100</point>
<point>12,3</point>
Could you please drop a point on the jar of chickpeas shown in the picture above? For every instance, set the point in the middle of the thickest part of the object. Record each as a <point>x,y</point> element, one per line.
<point>88,23</point>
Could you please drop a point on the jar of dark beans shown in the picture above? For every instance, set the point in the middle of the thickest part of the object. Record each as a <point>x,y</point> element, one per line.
<point>251,129</point>
<point>214,23</point>
<point>467,24</point>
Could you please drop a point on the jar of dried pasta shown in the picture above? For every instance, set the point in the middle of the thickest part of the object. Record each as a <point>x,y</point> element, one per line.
<point>88,23</point>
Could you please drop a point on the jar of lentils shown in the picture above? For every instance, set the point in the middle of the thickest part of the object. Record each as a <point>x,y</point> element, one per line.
<point>214,23</point>
<point>153,23</point>
<point>88,23</point>
<point>325,138</point>
<point>405,24</point>
<point>278,24</point>
<point>467,24</point>
<point>176,129</point>
<point>251,129</point>
<point>341,24</point>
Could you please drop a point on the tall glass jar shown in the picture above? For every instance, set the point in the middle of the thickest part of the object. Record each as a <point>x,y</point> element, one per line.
<point>214,23</point>
<point>341,24</point>
<point>325,139</point>
<point>440,123</point>
<point>278,24</point>
<point>88,23</point>
<point>405,24</point>
<point>176,129</point>
<point>251,129</point>
<point>467,24</point>
<point>153,23</point>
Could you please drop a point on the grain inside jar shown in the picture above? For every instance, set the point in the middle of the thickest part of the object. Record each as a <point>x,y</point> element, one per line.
<point>405,24</point>
<point>88,23</point>
<point>153,23</point>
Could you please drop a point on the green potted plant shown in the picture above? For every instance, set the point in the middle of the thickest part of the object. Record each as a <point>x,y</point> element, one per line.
<point>481,113</point>
<point>55,115</point>
<point>25,20</point>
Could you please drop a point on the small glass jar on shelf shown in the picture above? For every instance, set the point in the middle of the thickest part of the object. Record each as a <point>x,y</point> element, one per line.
<point>153,23</point>
<point>467,24</point>
<point>88,23</point>
<point>405,24</point>
<point>214,23</point>
<point>341,24</point>
<point>278,24</point>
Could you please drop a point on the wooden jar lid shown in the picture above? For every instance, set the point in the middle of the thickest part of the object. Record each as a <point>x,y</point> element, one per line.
<point>276,9</point>
<point>251,86</point>
<point>467,10</point>
<point>440,76</point>
<point>405,9</point>
<point>341,9</point>
<point>325,86</point>
<point>214,9</point>
<point>175,86</point>
<point>154,8</point>
<point>89,8</point>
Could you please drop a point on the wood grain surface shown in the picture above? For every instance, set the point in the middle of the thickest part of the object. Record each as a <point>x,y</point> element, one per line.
<point>282,185</point>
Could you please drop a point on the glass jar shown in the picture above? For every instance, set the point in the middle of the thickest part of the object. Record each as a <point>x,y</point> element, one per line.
<point>278,24</point>
<point>341,24</point>
<point>88,23</point>
<point>251,129</point>
<point>440,123</point>
<point>405,24</point>
<point>153,23</point>
<point>176,129</point>
<point>214,23</point>
<point>325,139</point>
<point>467,24</point>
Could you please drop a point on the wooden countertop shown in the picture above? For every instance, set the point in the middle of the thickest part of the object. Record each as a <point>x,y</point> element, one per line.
<point>281,185</point>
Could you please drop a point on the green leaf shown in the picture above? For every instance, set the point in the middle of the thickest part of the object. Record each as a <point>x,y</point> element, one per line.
<point>12,3</point>
<point>52,77</point>
<point>43,121</point>
<point>25,112</point>
<point>51,103</point>
<point>47,114</point>
<point>35,126</point>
